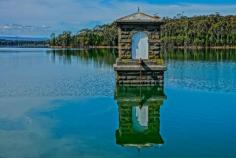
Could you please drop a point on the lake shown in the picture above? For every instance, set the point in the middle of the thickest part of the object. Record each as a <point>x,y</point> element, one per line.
<point>65,104</point>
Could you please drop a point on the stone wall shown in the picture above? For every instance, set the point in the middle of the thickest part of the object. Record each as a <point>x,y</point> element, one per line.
<point>142,77</point>
<point>126,32</point>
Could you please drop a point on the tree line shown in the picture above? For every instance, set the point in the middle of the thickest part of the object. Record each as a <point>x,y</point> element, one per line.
<point>207,31</point>
<point>101,35</point>
<point>179,31</point>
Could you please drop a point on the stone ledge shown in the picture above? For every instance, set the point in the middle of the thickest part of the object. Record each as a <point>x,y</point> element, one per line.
<point>136,62</point>
<point>154,82</point>
<point>139,67</point>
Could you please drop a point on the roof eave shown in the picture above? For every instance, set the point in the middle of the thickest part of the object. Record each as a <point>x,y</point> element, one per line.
<point>152,19</point>
<point>139,22</point>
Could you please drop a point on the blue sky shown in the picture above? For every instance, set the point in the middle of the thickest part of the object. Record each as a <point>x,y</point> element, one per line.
<point>41,17</point>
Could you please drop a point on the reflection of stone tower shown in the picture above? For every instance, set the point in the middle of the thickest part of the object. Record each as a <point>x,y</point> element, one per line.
<point>139,116</point>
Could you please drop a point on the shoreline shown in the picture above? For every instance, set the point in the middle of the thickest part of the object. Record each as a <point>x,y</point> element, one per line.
<point>116,47</point>
<point>202,47</point>
<point>175,47</point>
<point>88,47</point>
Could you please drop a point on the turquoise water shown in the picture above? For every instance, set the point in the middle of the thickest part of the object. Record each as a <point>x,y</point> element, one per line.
<point>64,103</point>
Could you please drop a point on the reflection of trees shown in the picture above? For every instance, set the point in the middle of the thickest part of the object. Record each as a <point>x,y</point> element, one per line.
<point>100,57</point>
<point>108,56</point>
<point>201,54</point>
<point>139,115</point>
<point>209,70</point>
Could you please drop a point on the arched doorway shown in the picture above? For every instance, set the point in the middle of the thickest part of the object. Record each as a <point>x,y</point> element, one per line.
<point>140,46</point>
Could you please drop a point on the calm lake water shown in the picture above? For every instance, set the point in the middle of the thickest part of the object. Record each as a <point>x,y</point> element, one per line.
<point>65,104</point>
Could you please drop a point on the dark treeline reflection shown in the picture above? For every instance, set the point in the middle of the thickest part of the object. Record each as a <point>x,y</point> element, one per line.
<point>200,54</point>
<point>107,57</point>
<point>139,116</point>
<point>99,57</point>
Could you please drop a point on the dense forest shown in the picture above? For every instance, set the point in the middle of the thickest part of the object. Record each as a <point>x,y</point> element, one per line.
<point>207,31</point>
<point>179,31</point>
<point>101,35</point>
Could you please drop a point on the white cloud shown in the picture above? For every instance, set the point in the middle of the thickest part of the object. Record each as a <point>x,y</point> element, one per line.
<point>17,29</point>
<point>76,14</point>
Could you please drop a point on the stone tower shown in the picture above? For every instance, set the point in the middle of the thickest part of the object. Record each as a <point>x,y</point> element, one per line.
<point>139,50</point>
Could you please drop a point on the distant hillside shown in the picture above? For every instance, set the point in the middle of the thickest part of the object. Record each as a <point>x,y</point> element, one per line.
<point>21,38</point>
<point>18,41</point>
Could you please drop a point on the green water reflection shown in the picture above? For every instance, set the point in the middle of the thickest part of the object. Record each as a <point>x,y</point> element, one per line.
<point>139,116</point>
<point>98,56</point>
<point>101,56</point>
<point>200,54</point>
